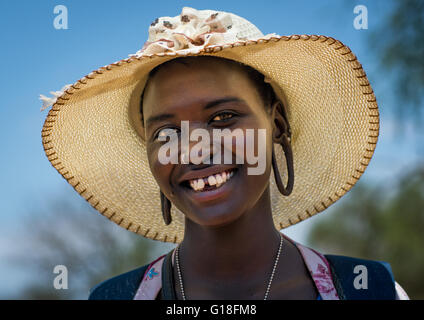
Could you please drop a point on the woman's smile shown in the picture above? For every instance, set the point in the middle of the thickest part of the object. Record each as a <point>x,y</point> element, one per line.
<point>210,187</point>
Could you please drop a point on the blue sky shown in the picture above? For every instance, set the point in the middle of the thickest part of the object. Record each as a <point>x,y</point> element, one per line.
<point>35,58</point>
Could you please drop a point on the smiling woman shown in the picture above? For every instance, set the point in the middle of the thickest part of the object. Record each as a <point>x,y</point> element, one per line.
<point>219,220</point>
<point>316,116</point>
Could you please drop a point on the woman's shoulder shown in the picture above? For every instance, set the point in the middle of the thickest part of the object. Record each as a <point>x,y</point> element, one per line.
<point>120,287</point>
<point>365,279</point>
<point>353,278</point>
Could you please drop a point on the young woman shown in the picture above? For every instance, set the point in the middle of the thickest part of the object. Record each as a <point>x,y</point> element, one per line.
<point>215,71</point>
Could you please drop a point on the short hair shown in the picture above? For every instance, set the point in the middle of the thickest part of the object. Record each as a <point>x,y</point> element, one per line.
<point>264,89</point>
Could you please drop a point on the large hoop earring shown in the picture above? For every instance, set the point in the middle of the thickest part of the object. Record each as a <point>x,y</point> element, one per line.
<point>166,208</point>
<point>290,171</point>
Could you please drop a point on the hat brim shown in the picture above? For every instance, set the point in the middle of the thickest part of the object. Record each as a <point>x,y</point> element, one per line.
<point>91,135</point>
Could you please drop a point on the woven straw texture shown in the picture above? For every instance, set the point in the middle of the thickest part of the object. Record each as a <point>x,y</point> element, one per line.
<point>90,133</point>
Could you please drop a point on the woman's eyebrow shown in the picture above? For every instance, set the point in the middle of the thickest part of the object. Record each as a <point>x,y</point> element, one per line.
<point>210,104</point>
<point>158,118</point>
<point>216,102</point>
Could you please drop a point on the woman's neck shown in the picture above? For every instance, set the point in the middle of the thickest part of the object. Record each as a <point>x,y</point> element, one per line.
<point>244,247</point>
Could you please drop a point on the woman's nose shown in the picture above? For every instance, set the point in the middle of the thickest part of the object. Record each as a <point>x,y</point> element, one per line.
<point>198,152</point>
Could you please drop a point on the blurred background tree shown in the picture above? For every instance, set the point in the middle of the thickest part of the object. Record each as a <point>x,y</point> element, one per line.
<point>375,222</point>
<point>73,234</point>
<point>380,224</point>
<point>399,49</point>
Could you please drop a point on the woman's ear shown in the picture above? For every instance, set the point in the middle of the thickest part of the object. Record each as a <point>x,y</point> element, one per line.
<point>280,125</point>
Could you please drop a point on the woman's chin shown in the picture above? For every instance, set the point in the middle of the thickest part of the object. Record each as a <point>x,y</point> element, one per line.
<point>214,218</point>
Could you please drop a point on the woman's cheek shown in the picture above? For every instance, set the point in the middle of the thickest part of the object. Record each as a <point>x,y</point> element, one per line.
<point>161,172</point>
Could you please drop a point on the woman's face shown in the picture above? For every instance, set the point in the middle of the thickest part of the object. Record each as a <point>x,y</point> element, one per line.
<point>181,93</point>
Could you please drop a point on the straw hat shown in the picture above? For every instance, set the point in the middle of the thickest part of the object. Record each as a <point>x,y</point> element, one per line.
<point>91,135</point>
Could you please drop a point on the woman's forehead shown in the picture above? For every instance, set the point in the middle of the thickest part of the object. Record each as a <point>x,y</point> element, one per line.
<point>178,83</point>
<point>206,70</point>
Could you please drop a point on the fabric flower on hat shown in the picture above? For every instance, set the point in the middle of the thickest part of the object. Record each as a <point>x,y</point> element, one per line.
<point>191,31</point>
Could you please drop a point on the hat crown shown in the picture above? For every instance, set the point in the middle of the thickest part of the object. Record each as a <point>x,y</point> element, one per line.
<point>194,30</point>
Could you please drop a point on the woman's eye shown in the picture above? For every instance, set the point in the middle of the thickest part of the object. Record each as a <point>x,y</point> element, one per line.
<point>223,117</point>
<point>162,134</point>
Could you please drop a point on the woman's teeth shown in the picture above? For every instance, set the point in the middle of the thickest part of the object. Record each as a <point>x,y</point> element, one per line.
<point>214,180</point>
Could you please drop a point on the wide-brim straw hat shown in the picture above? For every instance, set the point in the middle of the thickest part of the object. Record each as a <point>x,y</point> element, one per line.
<point>91,134</point>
